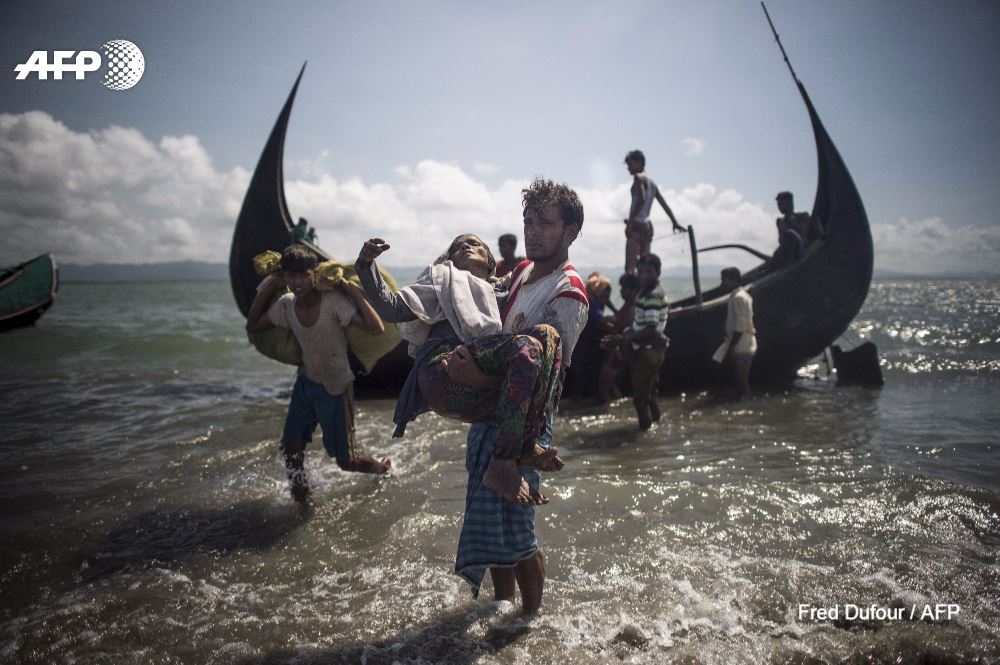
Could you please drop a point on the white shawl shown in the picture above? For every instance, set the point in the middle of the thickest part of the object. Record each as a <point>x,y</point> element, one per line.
<point>442,292</point>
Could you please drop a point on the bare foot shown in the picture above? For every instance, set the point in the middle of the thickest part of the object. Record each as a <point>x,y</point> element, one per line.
<point>503,478</point>
<point>366,464</point>
<point>298,485</point>
<point>542,459</point>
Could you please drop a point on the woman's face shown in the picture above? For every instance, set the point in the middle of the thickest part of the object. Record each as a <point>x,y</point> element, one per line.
<point>470,253</point>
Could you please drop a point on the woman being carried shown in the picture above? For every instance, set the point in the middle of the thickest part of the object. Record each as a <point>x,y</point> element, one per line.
<point>452,308</point>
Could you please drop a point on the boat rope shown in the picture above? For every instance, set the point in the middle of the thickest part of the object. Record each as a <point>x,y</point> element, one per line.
<point>673,236</point>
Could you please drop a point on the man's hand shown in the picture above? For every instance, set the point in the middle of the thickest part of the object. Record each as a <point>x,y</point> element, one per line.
<point>348,289</point>
<point>678,228</point>
<point>272,283</point>
<point>372,249</point>
<point>462,368</point>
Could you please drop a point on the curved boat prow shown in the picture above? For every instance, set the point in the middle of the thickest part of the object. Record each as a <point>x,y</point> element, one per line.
<point>800,308</point>
<point>264,222</point>
<point>843,216</point>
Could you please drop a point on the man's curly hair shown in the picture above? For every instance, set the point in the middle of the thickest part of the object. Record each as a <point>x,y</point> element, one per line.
<point>544,192</point>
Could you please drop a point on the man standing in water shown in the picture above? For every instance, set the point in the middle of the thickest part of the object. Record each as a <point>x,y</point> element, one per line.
<point>645,341</point>
<point>740,344</point>
<point>638,227</point>
<point>498,534</point>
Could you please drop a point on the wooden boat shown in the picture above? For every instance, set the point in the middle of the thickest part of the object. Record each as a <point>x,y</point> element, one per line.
<point>27,290</point>
<point>798,310</point>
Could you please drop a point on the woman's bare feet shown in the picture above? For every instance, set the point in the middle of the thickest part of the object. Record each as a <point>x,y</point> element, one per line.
<point>541,459</point>
<point>503,478</point>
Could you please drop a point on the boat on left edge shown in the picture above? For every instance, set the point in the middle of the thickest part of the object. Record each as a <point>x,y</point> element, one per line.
<point>27,290</point>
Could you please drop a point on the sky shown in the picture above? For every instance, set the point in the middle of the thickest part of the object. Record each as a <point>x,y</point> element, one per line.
<point>420,120</point>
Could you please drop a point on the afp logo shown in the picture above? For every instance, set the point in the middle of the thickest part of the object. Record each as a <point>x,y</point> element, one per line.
<point>123,59</point>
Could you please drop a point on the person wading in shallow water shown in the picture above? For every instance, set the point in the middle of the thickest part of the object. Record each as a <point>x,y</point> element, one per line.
<point>322,393</point>
<point>740,343</point>
<point>645,342</point>
<point>453,304</point>
<point>545,289</point>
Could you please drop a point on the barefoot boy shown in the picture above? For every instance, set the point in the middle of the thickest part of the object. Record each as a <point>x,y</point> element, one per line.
<point>322,393</point>
<point>648,341</point>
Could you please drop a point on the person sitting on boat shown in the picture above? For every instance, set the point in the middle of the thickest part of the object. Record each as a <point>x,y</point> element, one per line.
<point>452,308</point>
<point>796,230</point>
<point>740,344</point>
<point>638,227</point>
<point>508,253</point>
<point>322,392</point>
<point>302,232</point>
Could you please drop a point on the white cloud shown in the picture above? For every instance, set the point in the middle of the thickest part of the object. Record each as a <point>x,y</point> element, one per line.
<point>485,169</point>
<point>112,195</point>
<point>931,246</point>
<point>693,146</point>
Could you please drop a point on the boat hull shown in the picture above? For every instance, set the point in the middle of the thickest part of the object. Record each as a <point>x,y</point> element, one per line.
<point>27,291</point>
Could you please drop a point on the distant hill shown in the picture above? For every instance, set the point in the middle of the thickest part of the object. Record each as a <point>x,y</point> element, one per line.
<point>200,271</point>
<point>175,271</point>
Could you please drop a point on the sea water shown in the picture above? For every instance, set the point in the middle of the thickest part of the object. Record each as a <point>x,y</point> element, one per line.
<point>144,514</point>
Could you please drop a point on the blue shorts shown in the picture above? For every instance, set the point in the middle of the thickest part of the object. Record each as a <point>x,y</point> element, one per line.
<point>312,405</point>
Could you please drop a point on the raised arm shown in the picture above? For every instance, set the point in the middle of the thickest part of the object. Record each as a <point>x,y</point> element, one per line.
<point>257,319</point>
<point>387,304</point>
<point>670,213</point>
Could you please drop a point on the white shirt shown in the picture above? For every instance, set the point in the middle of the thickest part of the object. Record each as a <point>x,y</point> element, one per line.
<point>739,319</point>
<point>546,301</point>
<point>324,344</point>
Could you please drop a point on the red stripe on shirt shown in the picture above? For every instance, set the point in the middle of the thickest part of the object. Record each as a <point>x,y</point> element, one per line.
<point>515,280</point>
<point>575,295</point>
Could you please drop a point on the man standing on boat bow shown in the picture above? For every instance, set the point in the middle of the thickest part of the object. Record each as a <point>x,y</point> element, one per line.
<point>638,227</point>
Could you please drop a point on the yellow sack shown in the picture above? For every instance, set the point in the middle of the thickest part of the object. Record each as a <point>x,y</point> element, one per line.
<point>280,343</point>
<point>267,263</point>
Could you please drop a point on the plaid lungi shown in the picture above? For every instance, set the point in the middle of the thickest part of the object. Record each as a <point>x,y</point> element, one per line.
<point>495,533</point>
